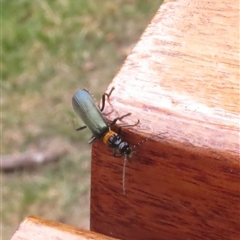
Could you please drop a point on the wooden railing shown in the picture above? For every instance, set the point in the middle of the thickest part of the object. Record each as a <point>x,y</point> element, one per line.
<point>35,228</point>
<point>182,82</point>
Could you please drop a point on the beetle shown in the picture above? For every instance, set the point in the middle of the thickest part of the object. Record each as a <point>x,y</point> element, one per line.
<point>86,108</point>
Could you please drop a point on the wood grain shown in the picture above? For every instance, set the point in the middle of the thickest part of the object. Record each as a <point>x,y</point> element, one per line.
<point>181,80</point>
<point>35,228</point>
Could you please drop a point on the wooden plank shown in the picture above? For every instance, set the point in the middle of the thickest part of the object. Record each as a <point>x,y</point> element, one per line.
<point>41,229</point>
<point>181,80</point>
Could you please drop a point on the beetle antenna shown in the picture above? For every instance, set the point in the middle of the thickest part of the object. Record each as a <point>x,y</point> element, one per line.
<point>124,174</point>
<point>146,139</point>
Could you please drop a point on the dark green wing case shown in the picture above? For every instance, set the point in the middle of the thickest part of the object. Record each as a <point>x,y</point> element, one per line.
<point>86,108</point>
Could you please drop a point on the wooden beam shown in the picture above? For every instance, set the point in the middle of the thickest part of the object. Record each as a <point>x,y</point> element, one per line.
<point>181,80</point>
<point>41,229</point>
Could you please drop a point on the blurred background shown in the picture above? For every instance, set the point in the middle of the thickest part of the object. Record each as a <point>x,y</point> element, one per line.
<point>49,50</point>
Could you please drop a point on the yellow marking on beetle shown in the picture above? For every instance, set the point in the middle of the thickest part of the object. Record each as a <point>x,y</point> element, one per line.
<point>107,136</point>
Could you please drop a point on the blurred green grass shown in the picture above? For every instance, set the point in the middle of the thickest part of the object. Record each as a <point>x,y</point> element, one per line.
<point>49,50</point>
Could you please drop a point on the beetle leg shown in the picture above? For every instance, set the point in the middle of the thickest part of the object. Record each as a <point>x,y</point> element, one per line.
<point>93,138</point>
<point>115,153</point>
<point>119,118</point>
<point>130,125</point>
<point>80,128</point>
<point>110,93</point>
<point>104,98</point>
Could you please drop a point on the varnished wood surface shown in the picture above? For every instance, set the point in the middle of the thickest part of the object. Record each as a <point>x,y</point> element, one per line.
<point>181,80</point>
<point>36,228</point>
